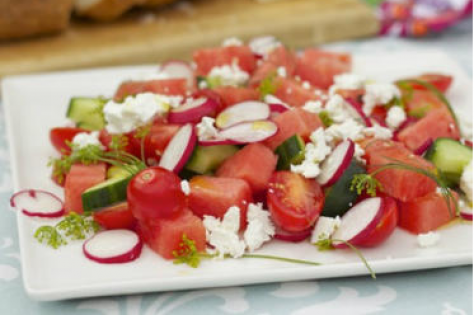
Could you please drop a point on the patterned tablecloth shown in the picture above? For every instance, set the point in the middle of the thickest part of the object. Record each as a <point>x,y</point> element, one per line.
<point>444,291</point>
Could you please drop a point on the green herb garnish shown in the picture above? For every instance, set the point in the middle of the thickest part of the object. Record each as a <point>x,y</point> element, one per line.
<point>73,227</point>
<point>325,118</point>
<point>268,86</point>
<point>141,134</point>
<point>367,183</point>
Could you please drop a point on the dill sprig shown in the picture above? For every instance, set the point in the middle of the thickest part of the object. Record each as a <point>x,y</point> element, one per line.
<point>141,133</point>
<point>367,183</point>
<point>325,118</point>
<point>268,86</point>
<point>73,227</point>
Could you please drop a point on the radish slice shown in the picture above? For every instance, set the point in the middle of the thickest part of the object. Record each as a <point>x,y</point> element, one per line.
<point>466,213</point>
<point>38,203</point>
<point>336,163</point>
<point>278,108</point>
<point>249,132</point>
<point>359,222</point>
<point>283,235</point>
<point>179,69</point>
<point>422,148</point>
<point>113,247</point>
<point>242,112</point>
<point>192,111</point>
<point>356,109</point>
<point>208,143</point>
<point>179,149</point>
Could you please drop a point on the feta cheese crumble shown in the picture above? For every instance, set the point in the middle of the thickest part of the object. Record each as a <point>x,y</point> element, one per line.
<point>378,94</point>
<point>314,107</point>
<point>229,75</point>
<point>466,181</point>
<point>395,117</point>
<point>185,187</point>
<point>359,153</point>
<point>337,108</point>
<point>428,239</point>
<point>224,235</point>
<point>325,228</point>
<point>136,111</point>
<point>315,152</point>
<point>206,129</point>
<point>83,139</point>
<point>349,129</point>
<point>347,81</point>
<point>264,45</point>
<point>260,228</point>
<point>281,71</point>
<point>232,41</point>
<point>378,132</point>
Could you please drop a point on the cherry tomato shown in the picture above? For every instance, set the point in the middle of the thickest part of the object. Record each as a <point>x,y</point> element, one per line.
<point>106,139</point>
<point>115,217</point>
<point>379,114</point>
<point>155,193</point>
<point>60,135</point>
<point>387,224</point>
<point>294,201</point>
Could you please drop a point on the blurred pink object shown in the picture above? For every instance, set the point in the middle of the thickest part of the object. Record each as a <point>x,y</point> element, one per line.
<point>421,17</point>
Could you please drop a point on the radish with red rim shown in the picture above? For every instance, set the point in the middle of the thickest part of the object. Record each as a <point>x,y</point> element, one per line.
<point>211,142</point>
<point>179,149</point>
<point>466,213</point>
<point>293,237</point>
<point>356,109</point>
<point>367,224</point>
<point>336,163</point>
<point>408,122</point>
<point>422,148</point>
<point>278,108</point>
<point>113,247</point>
<point>38,203</point>
<point>250,132</point>
<point>242,112</point>
<point>179,69</point>
<point>193,110</point>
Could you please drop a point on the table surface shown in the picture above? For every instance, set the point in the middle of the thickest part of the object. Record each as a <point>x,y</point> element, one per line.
<point>445,291</point>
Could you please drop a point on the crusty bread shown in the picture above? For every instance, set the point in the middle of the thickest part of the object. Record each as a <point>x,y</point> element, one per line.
<point>104,10</point>
<point>22,18</point>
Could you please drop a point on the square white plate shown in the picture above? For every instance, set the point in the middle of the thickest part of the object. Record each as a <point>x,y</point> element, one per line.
<point>35,103</point>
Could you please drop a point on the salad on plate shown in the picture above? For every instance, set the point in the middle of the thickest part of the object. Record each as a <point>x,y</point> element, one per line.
<point>250,143</point>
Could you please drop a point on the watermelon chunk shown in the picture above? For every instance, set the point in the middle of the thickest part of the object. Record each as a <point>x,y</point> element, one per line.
<point>255,164</point>
<point>419,103</point>
<point>426,213</point>
<point>165,87</point>
<point>293,93</point>
<point>295,121</point>
<point>436,124</point>
<point>208,58</point>
<point>215,195</point>
<point>279,57</point>
<point>79,179</point>
<point>230,95</point>
<point>319,67</point>
<point>404,185</point>
<point>165,236</point>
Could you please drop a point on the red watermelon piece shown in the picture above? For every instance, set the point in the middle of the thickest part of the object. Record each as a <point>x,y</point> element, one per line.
<point>293,93</point>
<point>426,213</point>
<point>295,121</point>
<point>215,195</point>
<point>436,124</point>
<point>404,185</point>
<point>319,67</point>
<point>419,102</point>
<point>164,237</point>
<point>165,87</point>
<point>279,57</point>
<point>208,58</point>
<point>79,179</point>
<point>230,95</point>
<point>255,164</point>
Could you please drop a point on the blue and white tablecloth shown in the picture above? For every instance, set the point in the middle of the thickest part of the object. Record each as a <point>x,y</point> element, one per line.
<point>444,291</point>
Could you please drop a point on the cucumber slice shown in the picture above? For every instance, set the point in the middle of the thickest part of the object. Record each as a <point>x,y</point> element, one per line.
<point>450,157</point>
<point>117,171</point>
<point>206,159</point>
<point>339,198</point>
<point>105,194</point>
<point>291,151</point>
<point>86,112</point>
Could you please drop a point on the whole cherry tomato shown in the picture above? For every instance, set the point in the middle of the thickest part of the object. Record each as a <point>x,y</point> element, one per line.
<point>115,217</point>
<point>59,136</point>
<point>155,193</point>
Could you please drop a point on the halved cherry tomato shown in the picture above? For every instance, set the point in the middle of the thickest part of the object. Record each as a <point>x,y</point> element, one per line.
<point>115,217</point>
<point>387,224</point>
<point>440,81</point>
<point>59,136</point>
<point>294,201</point>
<point>155,193</point>
<point>379,114</point>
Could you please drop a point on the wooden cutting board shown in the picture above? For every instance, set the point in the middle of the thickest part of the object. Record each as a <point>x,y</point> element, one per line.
<point>172,33</point>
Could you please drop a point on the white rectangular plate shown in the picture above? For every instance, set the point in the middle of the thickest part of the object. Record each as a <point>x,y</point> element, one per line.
<point>35,103</point>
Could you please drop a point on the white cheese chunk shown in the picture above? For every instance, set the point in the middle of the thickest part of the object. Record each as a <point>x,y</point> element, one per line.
<point>232,41</point>
<point>378,132</point>
<point>378,94</point>
<point>229,75</point>
<point>315,152</point>
<point>347,81</point>
<point>349,129</point>
<point>262,46</point>
<point>185,187</point>
<point>466,181</point>
<point>314,107</point>
<point>84,139</point>
<point>428,239</point>
<point>206,129</point>
<point>281,71</point>
<point>395,117</point>
<point>260,228</point>
<point>325,228</point>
